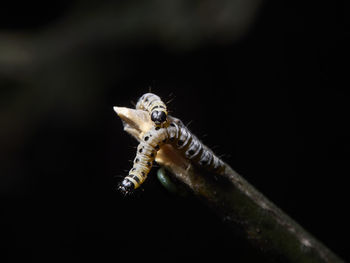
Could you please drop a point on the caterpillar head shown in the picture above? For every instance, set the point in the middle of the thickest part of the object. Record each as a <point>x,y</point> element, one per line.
<point>158,117</point>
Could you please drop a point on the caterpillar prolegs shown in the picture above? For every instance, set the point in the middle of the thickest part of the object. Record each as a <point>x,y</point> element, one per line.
<point>175,133</point>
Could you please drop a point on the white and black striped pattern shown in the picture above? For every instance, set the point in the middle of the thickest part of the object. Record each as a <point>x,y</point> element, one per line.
<point>155,106</point>
<point>176,134</point>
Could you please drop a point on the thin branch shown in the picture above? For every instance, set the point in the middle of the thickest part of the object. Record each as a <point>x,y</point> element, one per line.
<point>237,202</point>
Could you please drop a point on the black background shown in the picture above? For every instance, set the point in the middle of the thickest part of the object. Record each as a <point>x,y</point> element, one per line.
<point>274,103</point>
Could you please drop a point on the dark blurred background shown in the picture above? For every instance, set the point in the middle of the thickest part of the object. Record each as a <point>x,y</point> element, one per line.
<point>265,83</point>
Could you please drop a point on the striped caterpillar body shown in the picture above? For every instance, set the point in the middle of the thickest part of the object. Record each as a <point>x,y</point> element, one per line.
<point>176,134</point>
<point>155,106</point>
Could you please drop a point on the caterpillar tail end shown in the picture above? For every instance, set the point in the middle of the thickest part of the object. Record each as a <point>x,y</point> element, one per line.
<point>126,187</point>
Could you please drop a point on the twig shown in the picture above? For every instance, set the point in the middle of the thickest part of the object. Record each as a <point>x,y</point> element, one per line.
<point>237,202</point>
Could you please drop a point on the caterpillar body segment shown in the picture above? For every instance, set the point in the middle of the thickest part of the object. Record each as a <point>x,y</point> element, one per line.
<point>180,138</point>
<point>146,153</point>
<point>193,148</point>
<point>155,106</point>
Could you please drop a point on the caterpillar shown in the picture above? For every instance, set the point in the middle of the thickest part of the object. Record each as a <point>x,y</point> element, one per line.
<point>176,134</point>
<point>155,106</point>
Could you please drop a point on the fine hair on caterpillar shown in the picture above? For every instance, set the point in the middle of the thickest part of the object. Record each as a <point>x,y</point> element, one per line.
<point>172,131</point>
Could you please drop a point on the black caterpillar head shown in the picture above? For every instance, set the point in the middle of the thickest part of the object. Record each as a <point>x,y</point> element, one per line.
<point>158,117</point>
